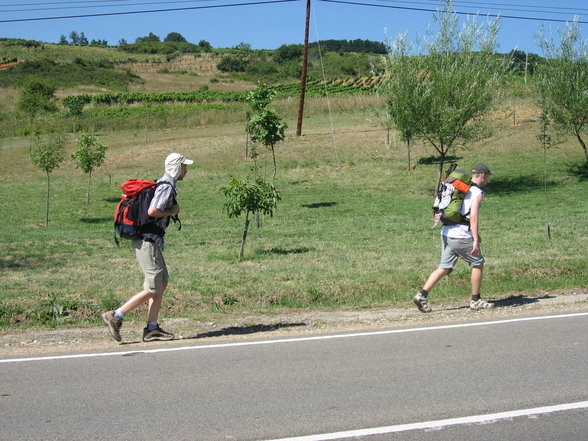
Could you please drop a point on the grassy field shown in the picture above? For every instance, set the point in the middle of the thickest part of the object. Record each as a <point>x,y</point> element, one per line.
<point>353,229</point>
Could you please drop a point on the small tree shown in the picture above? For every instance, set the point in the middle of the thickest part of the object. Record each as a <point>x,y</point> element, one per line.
<point>563,82</point>
<point>249,197</point>
<point>47,154</point>
<point>37,97</point>
<point>90,155</point>
<point>443,93</point>
<point>264,125</point>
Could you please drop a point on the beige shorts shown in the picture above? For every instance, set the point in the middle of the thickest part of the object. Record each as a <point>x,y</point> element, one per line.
<point>152,263</point>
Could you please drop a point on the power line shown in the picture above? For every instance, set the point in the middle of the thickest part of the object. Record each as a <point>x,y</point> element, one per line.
<point>102,5</point>
<point>497,6</point>
<point>16,20</point>
<point>406,8</point>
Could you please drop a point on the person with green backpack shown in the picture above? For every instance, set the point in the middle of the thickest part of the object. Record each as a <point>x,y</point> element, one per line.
<point>460,236</point>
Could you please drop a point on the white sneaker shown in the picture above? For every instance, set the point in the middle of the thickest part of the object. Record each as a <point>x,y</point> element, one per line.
<point>480,304</point>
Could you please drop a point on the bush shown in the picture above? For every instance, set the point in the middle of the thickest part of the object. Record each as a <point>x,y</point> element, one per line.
<point>37,97</point>
<point>233,64</point>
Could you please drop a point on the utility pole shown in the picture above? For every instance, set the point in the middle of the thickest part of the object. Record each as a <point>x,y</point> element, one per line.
<point>303,79</point>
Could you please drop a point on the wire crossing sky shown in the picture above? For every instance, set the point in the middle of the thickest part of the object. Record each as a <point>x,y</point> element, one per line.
<point>267,24</point>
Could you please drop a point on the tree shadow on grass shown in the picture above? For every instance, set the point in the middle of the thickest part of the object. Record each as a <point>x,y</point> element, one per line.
<point>285,252</point>
<point>320,205</point>
<point>112,200</point>
<point>430,160</point>
<point>580,171</point>
<point>516,184</point>
<point>97,220</point>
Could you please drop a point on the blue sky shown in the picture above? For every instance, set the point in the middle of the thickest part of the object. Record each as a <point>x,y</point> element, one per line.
<point>269,25</point>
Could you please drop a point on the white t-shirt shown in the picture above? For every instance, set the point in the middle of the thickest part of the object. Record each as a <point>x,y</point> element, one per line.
<point>461,231</point>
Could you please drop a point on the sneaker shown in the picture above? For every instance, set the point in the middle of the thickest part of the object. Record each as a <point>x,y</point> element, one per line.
<point>113,324</point>
<point>157,334</point>
<point>421,302</point>
<point>480,304</point>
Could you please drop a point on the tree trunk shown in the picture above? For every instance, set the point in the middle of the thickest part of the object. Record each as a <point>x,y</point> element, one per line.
<point>245,230</point>
<point>583,144</point>
<point>89,185</point>
<point>47,202</point>
<point>274,160</point>
<point>408,153</point>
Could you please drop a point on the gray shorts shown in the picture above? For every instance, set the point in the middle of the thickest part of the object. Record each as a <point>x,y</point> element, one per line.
<point>152,263</point>
<point>453,249</point>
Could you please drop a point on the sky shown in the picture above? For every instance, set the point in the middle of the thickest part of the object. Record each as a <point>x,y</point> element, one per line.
<point>267,24</point>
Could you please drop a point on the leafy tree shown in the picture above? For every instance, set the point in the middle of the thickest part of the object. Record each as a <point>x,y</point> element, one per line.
<point>449,86</point>
<point>74,38</point>
<point>47,154</point>
<point>287,52</point>
<point>37,97</point>
<point>83,40</point>
<point>205,45</point>
<point>90,155</point>
<point>231,63</point>
<point>151,38</point>
<point>176,37</point>
<point>563,82</point>
<point>63,40</point>
<point>264,125</point>
<point>249,197</point>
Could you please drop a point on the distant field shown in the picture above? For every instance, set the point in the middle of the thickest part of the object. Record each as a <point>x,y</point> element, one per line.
<point>353,229</point>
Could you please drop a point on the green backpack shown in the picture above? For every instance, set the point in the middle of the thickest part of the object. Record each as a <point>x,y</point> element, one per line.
<point>450,196</point>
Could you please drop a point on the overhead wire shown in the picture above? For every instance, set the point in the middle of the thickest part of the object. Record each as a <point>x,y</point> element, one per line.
<point>226,5</point>
<point>407,8</point>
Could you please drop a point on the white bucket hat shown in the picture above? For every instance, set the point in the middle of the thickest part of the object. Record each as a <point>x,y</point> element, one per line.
<point>173,164</point>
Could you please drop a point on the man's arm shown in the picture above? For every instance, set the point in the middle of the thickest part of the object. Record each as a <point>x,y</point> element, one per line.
<point>474,223</point>
<point>156,212</point>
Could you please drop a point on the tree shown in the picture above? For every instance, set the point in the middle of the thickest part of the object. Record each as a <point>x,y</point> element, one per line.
<point>205,45</point>
<point>175,37</point>
<point>151,38</point>
<point>63,40</point>
<point>37,97</point>
<point>563,82</point>
<point>90,155</point>
<point>47,154</point>
<point>265,125</point>
<point>74,38</point>
<point>249,197</point>
<point>449,85</point>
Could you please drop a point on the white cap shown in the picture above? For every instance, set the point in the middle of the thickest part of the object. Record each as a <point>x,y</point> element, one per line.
<point>173,164</point>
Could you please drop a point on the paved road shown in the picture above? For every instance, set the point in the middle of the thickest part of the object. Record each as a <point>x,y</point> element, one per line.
<point>298,387</point>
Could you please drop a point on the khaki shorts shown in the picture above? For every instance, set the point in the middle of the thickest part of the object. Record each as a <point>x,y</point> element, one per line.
<point>453,249</point>
<point>153,265</point>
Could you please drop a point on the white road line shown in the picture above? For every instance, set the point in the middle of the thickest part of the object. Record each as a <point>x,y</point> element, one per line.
<point>293,340</point>
<point>474,419</point>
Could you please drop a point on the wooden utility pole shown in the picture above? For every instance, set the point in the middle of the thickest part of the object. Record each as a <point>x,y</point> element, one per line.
<point>303,79</point>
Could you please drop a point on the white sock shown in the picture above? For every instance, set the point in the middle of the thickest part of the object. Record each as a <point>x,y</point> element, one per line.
<point>151,326</point>
<point>119,315</point>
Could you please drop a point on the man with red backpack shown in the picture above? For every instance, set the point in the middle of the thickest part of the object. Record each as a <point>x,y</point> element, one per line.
<point>149,252</point>
<point>462,240</point>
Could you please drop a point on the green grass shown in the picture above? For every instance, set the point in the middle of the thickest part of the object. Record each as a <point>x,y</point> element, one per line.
<point>353,229</point>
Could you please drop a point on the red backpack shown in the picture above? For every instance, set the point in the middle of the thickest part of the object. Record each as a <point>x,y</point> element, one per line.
<point>130,216</point>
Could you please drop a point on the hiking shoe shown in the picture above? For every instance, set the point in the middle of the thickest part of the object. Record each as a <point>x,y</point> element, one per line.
<point>480,304</point>
<point>157,334</point>
<point>421,302</point>
<point>113,324</point>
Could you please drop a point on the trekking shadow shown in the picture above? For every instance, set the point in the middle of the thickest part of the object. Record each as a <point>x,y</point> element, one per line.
<point>244,330</point>
<point>519,301</point>
<point>112,200</point>
<point>509,301</point>
<point>320,205</point>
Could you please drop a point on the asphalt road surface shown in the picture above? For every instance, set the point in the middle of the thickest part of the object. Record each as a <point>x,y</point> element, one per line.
<point>516,379</point>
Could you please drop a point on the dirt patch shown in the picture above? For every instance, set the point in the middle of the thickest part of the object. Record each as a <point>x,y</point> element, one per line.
<point>292,324</point>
